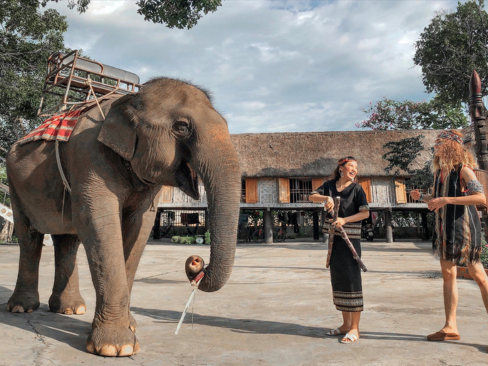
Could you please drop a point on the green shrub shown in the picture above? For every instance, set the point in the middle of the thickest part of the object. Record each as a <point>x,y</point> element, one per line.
<point>207,238</point>
<point>187,240</point>
<point>175,239</point>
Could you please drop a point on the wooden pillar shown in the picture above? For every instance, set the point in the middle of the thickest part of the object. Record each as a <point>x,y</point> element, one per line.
<point>315,216</point>
<point>388,227</point>
<point>478,112</point>
<point>157,224</point>
<point>268,226</point>
<point>425,228</point>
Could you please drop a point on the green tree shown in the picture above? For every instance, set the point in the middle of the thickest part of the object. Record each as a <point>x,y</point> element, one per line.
<point>27,37</point>
<point>174,13</point>
<point>388,114</point>
<point>450,48</point>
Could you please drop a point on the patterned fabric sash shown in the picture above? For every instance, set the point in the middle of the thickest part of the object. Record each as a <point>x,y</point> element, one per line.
<point>352,229</point>
<point>58,127</point>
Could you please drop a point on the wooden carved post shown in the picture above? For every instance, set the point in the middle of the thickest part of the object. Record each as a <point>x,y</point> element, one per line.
<point>477,112</point>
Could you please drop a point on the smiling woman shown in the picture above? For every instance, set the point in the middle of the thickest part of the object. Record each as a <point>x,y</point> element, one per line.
<point>345,273</point>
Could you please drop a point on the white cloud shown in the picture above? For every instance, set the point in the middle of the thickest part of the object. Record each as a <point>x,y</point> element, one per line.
<point>271,65</point>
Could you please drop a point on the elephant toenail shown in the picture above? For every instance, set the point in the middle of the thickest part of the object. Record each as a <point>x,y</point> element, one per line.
<point>17,309</point>
<point>90,348</point>
<point>108,350</point>
<point>126,350</point>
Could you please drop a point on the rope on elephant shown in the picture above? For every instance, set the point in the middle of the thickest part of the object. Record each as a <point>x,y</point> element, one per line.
<point>89,83</point>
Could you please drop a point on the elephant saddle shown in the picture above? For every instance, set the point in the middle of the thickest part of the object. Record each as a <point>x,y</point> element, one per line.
<point>58,127</point>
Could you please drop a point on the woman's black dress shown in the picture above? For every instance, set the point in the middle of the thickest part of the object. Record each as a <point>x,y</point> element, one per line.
<point>345,273</point>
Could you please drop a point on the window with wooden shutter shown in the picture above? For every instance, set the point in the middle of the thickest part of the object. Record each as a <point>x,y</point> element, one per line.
<point>284,190</point>
<point>317,182</point>
<point>366,184</point>
<point>166,194</point>
<point>400,191</point>
<point>251,191</point>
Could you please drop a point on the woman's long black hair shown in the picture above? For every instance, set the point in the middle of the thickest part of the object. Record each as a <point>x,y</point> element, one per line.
<point>341,162</point>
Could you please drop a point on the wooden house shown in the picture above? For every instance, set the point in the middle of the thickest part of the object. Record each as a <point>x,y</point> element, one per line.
<point>280,170</point>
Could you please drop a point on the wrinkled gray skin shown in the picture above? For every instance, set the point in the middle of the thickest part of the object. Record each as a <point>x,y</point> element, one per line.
<point>116,168</point>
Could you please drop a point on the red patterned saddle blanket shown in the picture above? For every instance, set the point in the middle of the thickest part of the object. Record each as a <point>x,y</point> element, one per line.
<point>58,127</point>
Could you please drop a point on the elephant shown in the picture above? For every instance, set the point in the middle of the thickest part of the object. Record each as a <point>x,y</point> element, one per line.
<point>168,133</point>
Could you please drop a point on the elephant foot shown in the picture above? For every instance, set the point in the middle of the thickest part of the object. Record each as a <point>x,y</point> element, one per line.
<point>23,302</point>
<point>132,323</point>
<point>112,341</point>
<point>67,304</point>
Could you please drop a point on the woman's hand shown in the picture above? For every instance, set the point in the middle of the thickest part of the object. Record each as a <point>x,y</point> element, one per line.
<point>415,194</point>
<point>437,203</point>
<point>329,204</point>
<point>340,221</point>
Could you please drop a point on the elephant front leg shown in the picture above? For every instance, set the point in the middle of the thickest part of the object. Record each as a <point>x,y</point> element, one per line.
<point>66,297</point>
<point>111,334</point>
<point>135,231</point>
<point>26,295</point>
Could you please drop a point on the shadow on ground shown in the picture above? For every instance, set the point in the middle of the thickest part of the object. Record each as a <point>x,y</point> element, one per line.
<point>44,323</point>
<point>253,326</point>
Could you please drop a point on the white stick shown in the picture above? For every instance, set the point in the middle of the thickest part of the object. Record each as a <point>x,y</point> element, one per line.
<point>184,311</point>
<point>187,305</point>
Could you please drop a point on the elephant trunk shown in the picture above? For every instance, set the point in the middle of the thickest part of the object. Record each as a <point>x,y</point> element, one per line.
<point>218,167</point>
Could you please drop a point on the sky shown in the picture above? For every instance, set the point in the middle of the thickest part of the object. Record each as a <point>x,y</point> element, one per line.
<point>271,66</point>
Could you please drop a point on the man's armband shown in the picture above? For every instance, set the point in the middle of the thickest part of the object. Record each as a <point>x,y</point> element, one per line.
<point>474,186</point>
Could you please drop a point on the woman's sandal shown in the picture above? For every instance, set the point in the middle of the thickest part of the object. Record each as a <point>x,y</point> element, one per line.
<point>334,332</point>
<point>349,338</point>
<point>441,336</point>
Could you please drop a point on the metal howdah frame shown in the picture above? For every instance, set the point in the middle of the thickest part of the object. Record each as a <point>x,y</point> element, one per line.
<point>73,80</point>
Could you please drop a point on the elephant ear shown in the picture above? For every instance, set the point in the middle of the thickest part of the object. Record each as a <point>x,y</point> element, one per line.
<point>119,129</point>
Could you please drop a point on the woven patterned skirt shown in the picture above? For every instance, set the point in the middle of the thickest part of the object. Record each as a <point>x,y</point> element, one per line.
<point>345,276</point>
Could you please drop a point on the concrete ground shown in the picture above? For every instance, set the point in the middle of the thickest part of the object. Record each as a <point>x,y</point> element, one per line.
<point>275,310</point>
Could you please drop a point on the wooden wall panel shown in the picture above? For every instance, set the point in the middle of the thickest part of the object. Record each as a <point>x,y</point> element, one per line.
<point>366,184</point>
<point>251,190</point>
<point>317,182</point>
<point>400,191</point>
<point>284,190</point>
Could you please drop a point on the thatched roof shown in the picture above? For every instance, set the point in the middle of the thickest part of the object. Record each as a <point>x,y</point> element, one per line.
<point>315,154</point>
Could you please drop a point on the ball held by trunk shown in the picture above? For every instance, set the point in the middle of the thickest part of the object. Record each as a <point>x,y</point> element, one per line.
<point>193,266</point>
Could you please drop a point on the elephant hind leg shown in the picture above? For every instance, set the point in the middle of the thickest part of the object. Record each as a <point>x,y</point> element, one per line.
<point>26,294</point>
<point>66,297</point>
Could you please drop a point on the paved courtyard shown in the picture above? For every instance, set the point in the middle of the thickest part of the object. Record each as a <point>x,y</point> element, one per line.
<point>275,310</point>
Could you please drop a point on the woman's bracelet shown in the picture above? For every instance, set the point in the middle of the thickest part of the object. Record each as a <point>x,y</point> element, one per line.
<point>421,198</point>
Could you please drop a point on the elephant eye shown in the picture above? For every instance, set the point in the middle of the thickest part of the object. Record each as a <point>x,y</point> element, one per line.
<point>181,128</point>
